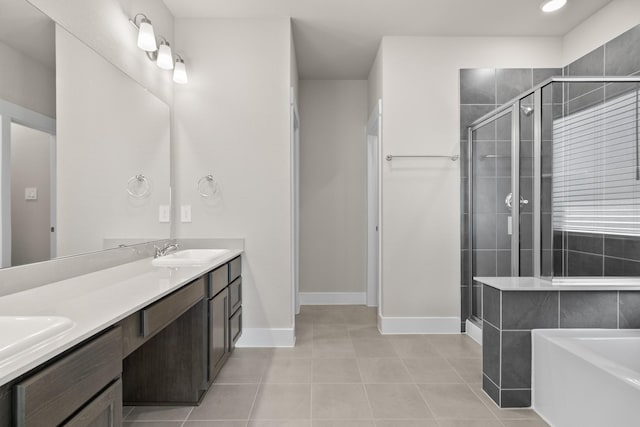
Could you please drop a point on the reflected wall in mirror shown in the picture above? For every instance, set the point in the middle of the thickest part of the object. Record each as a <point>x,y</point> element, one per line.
<point>85,148</point>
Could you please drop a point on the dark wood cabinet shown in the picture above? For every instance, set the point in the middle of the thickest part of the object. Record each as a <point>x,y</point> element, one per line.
<point>52,395</point>
<point>218,333</point>
<point>103,411</point>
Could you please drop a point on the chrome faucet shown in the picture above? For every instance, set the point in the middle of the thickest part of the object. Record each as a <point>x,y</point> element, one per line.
<point>168,247</point>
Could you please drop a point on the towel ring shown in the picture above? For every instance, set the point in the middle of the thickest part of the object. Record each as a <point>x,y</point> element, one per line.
<point>205,182</point>
<point>138,186</point>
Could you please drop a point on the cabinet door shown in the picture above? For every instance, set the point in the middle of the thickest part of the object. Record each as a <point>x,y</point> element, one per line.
<point>218,332</point>
<point>103,411</point>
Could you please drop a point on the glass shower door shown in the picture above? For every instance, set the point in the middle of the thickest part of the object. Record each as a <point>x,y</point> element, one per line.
<point>490,220</point>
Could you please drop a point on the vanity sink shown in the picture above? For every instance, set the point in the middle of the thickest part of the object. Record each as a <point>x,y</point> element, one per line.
<point>189,257</point>
<point>20,333</point>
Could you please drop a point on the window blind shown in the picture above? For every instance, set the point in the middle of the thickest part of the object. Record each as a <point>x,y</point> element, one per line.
<point>596,169</point>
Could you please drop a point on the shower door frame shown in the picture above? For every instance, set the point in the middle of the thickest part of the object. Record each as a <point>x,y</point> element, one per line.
<point>513,107</point>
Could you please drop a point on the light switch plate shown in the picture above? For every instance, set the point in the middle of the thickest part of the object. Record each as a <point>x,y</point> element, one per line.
<point>164,213</point>
<point>185,213</point>
<point>31,193</point>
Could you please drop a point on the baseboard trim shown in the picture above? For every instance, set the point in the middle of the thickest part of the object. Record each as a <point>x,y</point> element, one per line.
<point>333,298</point>
<point>474,332</point>
<point>265,337</point>
<point>418,325</point>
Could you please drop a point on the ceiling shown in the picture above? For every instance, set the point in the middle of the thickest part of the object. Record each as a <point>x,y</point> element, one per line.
<point>26,29</point>
<point>338,39</point>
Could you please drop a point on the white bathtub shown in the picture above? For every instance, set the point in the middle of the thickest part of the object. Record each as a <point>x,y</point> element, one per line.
<point>586,377</point>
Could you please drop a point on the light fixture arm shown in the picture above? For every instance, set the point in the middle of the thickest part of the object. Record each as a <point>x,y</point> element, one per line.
<point>153,56</point>
<point>134,20</point>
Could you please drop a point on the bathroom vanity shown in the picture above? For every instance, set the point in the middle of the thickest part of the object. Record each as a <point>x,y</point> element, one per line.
<point>140,335</point>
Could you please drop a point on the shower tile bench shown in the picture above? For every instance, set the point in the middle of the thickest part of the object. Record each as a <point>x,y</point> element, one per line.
<point>513,306</point>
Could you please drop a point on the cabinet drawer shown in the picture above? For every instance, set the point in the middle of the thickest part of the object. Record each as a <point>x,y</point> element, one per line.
<point>103,411</point>
<point>235,295</point>
<point>168,309</point>
<point>53,394</point>
<point>218,280</point>
<point>235,269</point>
<point>235,328</point>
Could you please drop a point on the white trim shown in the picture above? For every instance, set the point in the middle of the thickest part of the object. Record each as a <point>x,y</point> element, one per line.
<point>474,332</point>
<point>295,201</point>
<point>374,211</point>
<point>265,337</point>
<point>333,298</point>
<point>418,325</point>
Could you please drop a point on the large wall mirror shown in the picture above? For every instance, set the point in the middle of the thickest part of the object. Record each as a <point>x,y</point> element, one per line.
<point>85,149</point>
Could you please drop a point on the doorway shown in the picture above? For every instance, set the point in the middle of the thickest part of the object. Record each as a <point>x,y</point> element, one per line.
<point>27,186</point>
<point>374,143</point>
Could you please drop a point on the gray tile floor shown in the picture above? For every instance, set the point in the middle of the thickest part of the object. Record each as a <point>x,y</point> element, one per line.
<point>343,373</point>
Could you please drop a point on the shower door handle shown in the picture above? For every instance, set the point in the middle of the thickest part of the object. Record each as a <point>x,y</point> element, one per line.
<point>509,200</point>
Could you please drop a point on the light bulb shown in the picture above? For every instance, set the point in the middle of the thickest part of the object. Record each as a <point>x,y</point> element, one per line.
<point>146,36</point>
<point>165,58</point>
<point>552,5</point>
<point>180,72</point>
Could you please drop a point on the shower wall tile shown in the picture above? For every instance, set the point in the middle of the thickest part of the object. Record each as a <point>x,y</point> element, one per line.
<point>491,389</point>
<point>529,310</point>
<point>629,312</point>
<point>478,86</point>
<point>589,99</point>
<point>541,74</point>
<point>486,189</point>
<point>484,263</point>
<point>510,82</point>
<point>485,231</point>
<point>491,306</point>
<point>583,264</point>
<point>591,64</point>
<point>503,259</point>
<point>622,247</point>
<point>621,267</point>
<point>470,113</point>
<point>491,352</point>
<point>586,242</point>
<point>515,398</point>
<point>502,226</point>
<point>588,309</point>
<point>623,54</point>
<point>516,359</point>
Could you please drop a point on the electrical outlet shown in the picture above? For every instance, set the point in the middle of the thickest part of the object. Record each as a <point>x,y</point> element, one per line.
<point>185,213</point>
<point>31,193</point>
<point>164,213</point>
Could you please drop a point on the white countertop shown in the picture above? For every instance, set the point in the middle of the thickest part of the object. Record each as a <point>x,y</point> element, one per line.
<point>94,302</point>
<point>562,283</point>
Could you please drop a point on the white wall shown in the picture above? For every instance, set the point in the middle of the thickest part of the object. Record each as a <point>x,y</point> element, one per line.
<point>26,82</point>
<point>109,129</point>
<point>232,120</point>
<point>421,212</point>
<point>333,117</point>
<point>375,80</point>
<point>104,26</point>
<point>605,25</point>
<point>30,219</point>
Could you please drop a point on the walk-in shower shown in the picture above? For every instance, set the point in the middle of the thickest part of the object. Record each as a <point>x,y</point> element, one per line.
<point>551,173</point>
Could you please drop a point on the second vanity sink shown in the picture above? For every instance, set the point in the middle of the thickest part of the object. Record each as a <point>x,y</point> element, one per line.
<point>189,257</point>
<point>19,333</point>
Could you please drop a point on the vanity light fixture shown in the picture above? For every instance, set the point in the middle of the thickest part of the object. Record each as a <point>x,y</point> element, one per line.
<point>180,71</point>
<point>552,5</point>
<point>158,49</point>
<point>164,57</point>
<point>146,36</point>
